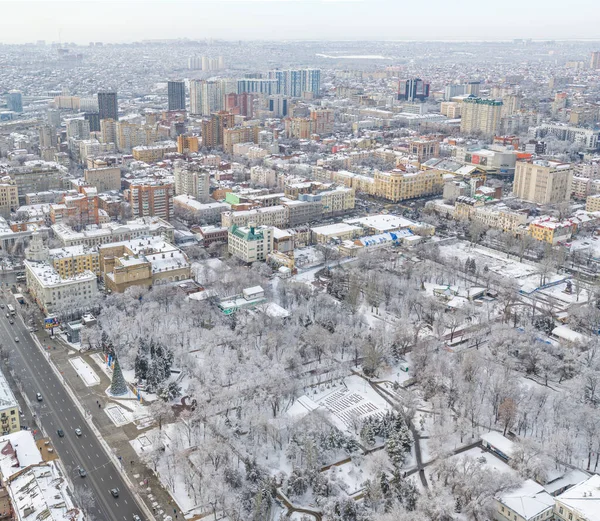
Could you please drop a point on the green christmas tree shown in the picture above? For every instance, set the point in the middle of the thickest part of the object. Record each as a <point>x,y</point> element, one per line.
<point>118,387</point>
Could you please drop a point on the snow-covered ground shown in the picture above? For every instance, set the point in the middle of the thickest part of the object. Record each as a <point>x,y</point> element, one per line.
<point>127,411</point>
<point>85,372</point>
<point>348,404</point>
<point>172,439</point>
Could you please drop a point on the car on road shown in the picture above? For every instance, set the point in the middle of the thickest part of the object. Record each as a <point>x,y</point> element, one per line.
<point>8,315</point>
<point>1,306</point>
<point>114,492</point>
<point>82,472</point>
<point>61,433</point>
<point>78,431</point>
<point>136,517</point>
<point>11,321</point>
<point>16,339</point>
<point>38,397</point>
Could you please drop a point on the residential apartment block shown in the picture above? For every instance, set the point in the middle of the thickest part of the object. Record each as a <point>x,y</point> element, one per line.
<point>250,243</point>
<point>70,261</point>
<point>480,115</point>
<point>103,179</point>
<point>543,182</point>
<point>151,198</point>
<point>9,196</point>
<point>114,232</point>
<point>188,207</point>
<point>9,408</point>
<point>54,293</point>
<point>499,217</point>
<point>155,152</point>
<point>397,185</point>
<point>191,179</point>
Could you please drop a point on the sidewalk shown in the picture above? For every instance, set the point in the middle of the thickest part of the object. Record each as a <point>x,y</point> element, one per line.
<point>149,488</point>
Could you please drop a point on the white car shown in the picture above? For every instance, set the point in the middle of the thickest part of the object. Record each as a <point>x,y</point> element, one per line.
<point>78,431</point>
<point>16,339</point>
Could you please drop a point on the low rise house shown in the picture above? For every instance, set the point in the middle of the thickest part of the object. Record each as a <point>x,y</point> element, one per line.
<point>335,232</point>
<point>498,444</point>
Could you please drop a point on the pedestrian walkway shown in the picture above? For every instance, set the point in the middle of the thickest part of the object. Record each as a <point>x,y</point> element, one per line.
<point>94,401</point>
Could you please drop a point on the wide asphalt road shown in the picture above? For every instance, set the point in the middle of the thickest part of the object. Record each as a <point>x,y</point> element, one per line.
<point>57,411</point>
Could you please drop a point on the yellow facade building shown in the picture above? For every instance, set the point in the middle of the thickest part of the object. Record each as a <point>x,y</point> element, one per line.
<point>70,261</point>
<point>397,185</point>
<point>9,196</point>
<point>592,203</point>
<point>9,408</point>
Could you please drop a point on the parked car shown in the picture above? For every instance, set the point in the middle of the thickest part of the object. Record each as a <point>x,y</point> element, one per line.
<point>114,492</point>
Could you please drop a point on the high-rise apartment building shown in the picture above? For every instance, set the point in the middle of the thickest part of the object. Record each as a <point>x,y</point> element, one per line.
<point>176,95</point>
<point>212,130</point>
<point>195,63</point>
<point>48,137</point>
<point>236,135</point>
<point>413,89</point>
<point>278,105</point>
<point>480,115</point>
<point>130,135</point>
<point>93,118</point>
<point>108,107</point>
<point>14,101</point>
<point>78,129</point>
<point>205,97</point>
<point>258,85</point>
<point>595,60</point>
<point>151,198</point>
<point>53,117</point>
<point>108,130</point>
<point>511,104</point>
<point>191,180</point>
<point>187,144</point>
<point>299,128</point>
<point>241,104</point>
<point>295,82</point>
<point>211,64</point>
<point>543,182</point>
<point>322,120</point>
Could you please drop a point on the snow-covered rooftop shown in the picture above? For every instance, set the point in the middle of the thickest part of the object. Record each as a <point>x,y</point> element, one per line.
<point>527,501</point>
<point>584,498</point>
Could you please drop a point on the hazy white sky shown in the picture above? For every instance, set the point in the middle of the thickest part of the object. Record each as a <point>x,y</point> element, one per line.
<point>82,21</point>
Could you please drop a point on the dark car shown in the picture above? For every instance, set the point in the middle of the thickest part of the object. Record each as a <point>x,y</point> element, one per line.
<point>60,433</point>
<point>114,492</point>
<point>82,472</point>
